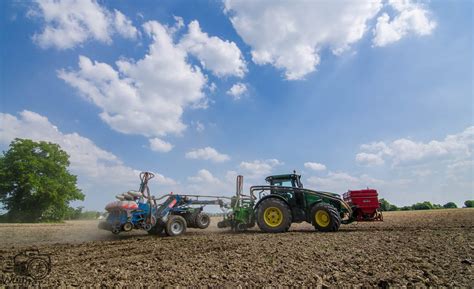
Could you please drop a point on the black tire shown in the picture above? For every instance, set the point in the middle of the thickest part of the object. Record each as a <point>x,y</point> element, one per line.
<point>281,207</point>
<point>190,220</point>
<point>175,226</point>
<point>127,227</point>
<point>202,220</point>
<point>156,230</point>
<point>331,218</point>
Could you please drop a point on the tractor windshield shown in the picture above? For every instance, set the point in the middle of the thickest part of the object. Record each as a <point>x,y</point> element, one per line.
<point>287,183</point>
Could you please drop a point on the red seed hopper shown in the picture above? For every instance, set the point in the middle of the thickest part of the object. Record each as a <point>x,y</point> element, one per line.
<point>365,204</point>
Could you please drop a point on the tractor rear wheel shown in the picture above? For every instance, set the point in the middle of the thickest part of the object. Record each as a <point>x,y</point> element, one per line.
<point>325,217</point>
<point>273,216</point>
<point>175,226</point>
<point>202,220</point>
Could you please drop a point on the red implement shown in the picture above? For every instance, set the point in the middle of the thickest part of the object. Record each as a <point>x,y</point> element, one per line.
<point>365,204</point>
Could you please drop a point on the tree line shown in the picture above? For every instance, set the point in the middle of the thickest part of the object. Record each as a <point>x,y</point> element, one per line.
<point>79,214</point>
<point>386,206</point>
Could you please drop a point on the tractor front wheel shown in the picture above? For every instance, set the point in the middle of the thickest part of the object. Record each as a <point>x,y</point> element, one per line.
<point>273,216</point>
<point>325,218</point>
<point>175,226</point>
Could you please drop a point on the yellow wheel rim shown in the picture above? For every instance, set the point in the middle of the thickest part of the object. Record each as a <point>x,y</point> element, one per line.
<point>322,218</point>
<point>273,216</point>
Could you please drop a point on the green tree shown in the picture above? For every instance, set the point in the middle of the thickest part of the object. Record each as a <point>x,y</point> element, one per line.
<point>422,206</point>
<point>35,184</point>
<point>73,213</point>
<point>386,206</point>
<point>450,205</point>
<point>437,206</point>
<point>469,204</point>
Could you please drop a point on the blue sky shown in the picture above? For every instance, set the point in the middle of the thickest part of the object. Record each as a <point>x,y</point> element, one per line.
<point>350,94</point>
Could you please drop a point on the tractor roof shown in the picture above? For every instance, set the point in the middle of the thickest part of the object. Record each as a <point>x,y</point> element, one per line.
<point>282,177</point>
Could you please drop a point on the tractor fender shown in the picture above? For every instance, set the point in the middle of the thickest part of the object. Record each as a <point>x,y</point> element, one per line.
<point>271,196</point>
<point>322,201</point>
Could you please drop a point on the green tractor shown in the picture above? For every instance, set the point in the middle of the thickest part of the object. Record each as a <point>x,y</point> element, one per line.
<point>284,201</point>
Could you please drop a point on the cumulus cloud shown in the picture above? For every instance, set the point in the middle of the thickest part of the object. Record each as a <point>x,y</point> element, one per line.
<point>221,57</point>
<point>237,90</point>
<point>369,159</point>
<point>124,26</point>
<point>68,23</point>
<point>341,182</point>
<point>436,170</point>
<point>404,151</point>
<point>204,182</point>
<point>207,153</point>
<point>259,168</point>
<point>204,176</point>
<point>291,35</point>
<point>315,166</point>
<point>410,17</point>
<point>147,96</point>
<point>93,165</point>
<point>159,145</point>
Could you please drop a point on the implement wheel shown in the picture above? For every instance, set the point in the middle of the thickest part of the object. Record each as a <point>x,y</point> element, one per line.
<point>175,226</point>
<point>325,218</point>
<point>202,220</point>
<point>273,216</point>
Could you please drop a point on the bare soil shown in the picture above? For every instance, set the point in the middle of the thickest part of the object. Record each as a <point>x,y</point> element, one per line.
<point>416,248</point>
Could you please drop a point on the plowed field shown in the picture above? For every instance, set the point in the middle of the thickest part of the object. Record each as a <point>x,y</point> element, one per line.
<point>428,248</point>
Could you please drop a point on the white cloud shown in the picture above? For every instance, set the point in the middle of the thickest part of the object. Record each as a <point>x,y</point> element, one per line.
<point>237,90</point>
<point>159,145</point>
<point>369,159</point>
<point>289,35</point>
<point>435,170</point>
<point>315,166</point>
<point>70,23</point>
<point>340,182</point>
<point>207,153</point>
<point>147,96</point>
<point>411,18</point>
<point>259,168</point>
<point>124,26</point>
<point>222,57</point>
<point>405,151</point>
<point>205,176</point>
<point>95,167</point>
<point>206,183</point>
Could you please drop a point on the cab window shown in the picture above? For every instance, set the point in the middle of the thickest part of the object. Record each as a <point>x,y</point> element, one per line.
<point>283,184</point>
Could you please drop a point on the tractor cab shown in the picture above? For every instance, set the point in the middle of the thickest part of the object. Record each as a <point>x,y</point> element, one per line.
<point>293,195</point>
<point>288,180</point>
